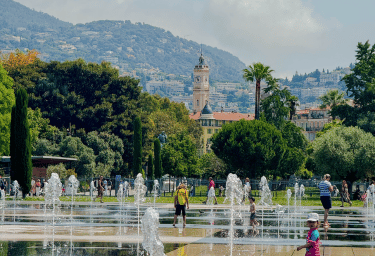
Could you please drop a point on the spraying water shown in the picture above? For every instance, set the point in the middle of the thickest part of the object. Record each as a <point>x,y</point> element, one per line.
<point>296,193</point>
<point>151,241</point>
<point>155,190</point>
<point>139,195</point>
<point>16,192</point>
<point>53,191</point>
<point>233,193</point>
<point>265,192</point>
<point>266,196</point>
<point>2,205</point>
<point>288,195</point>
<point>72,188</point>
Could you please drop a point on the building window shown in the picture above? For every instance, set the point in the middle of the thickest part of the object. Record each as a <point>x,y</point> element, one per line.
<point>216,130</point>
<point>209,131</point>
<point>210,122</point>
<point>197,102</point>
<point>216,123</point>
<point>204,122</point>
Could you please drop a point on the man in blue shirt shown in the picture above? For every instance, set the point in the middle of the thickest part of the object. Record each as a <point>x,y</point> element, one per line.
<point>326,188</point>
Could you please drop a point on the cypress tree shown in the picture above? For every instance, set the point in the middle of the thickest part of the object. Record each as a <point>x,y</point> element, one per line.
<point>137,140</point>
<point>21,143</point>
<point>157,155</point>
<point>151,167</point>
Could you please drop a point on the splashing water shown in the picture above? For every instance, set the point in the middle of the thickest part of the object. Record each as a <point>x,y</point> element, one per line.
<point>53,189</point>
<point>233,193</point>
<point>265,192</point>
<point>211,196</point>
<point>151,241</point>
<point>73,185</point>
<point>140,189</point>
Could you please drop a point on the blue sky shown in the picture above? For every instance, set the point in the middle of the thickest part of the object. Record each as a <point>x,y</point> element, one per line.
<point>288,35</point>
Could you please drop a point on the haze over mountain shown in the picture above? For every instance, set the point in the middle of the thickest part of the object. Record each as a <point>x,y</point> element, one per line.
<point>125,44</point>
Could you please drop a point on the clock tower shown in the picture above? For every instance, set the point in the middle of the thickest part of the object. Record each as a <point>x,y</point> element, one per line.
<point>201,86</point>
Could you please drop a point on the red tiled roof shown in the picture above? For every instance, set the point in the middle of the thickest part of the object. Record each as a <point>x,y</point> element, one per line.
<point>227,116</point>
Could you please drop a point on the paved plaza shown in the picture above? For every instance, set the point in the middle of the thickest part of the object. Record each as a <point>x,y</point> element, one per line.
<point>206,232</point>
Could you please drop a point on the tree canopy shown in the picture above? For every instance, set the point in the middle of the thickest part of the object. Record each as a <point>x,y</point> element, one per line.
<point>345,153</point>
<point>253,148</point>
<point>7,100</point>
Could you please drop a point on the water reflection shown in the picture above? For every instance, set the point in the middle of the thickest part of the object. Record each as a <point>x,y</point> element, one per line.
<point>28,248</point>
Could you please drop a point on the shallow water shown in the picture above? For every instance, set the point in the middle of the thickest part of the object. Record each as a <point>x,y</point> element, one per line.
<point>102,228</point>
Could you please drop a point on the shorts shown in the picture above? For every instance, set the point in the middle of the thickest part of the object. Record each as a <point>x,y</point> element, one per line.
<point>252,216</point>
<point>326,202</point>
<point>180,208</point>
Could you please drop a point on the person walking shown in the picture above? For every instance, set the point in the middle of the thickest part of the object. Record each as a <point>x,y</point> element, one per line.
<point>253,221</point>
<point>181,200</point>
<point>326,188</point>
<point>210,185</point>
<point>345,197</point>
<point>100,189</point>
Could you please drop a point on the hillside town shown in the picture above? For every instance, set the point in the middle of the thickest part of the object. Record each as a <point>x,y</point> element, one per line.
<point>235,96</point>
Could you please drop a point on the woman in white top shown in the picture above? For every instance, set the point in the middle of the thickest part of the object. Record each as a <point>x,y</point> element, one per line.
<point>326,188</point>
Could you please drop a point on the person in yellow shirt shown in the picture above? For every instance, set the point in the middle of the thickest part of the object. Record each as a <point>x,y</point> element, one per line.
<point>181,201</point>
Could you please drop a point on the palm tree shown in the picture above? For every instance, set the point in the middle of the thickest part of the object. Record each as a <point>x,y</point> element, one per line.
<point>257,72</point>
<point>332,99</point>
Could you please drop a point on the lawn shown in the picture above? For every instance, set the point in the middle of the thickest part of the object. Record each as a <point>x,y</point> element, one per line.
<point>311,198</point>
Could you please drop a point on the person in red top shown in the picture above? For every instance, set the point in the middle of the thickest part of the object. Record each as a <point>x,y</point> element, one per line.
<point>210,185</point>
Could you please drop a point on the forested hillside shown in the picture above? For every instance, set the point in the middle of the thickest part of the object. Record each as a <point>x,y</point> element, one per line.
<point>125,44</point>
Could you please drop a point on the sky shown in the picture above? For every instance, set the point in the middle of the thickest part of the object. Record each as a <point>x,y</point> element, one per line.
<point>287,35</point>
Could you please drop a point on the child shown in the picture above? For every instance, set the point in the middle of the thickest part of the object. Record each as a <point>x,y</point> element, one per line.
<point>312,240</point>
<point>253,221</point>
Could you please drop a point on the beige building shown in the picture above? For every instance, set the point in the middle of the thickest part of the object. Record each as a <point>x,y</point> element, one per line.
<point>212,122</point>
<point>312,121</point>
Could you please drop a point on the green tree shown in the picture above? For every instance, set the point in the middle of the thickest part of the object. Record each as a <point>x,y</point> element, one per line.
<point>212,166</point>
<point>137,151</point>
<point>74,147</point>
<point>332,99</point>
<point>21,143</point>
<point>250,148</point>
<point>275,108</point>
<point>157,155</point>
<point>59,169</point>
<point>346,153</point>
<point>257,72</point>
<point>150,164</point>
<point>7,100</point>
<point>360,83</point>
<point>179,156</point>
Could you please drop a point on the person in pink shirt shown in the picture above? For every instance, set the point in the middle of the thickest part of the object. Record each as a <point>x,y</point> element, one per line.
<point>210,185</point>
<point>312,239</point>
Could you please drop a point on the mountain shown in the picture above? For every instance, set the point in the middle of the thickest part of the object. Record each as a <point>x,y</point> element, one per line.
<point>14,15</point>
<point>125,44</point>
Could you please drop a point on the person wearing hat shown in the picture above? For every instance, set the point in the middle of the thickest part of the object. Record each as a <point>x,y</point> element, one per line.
<point>312,239</point>
<point>180,202</point>
<point>326,188</point>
